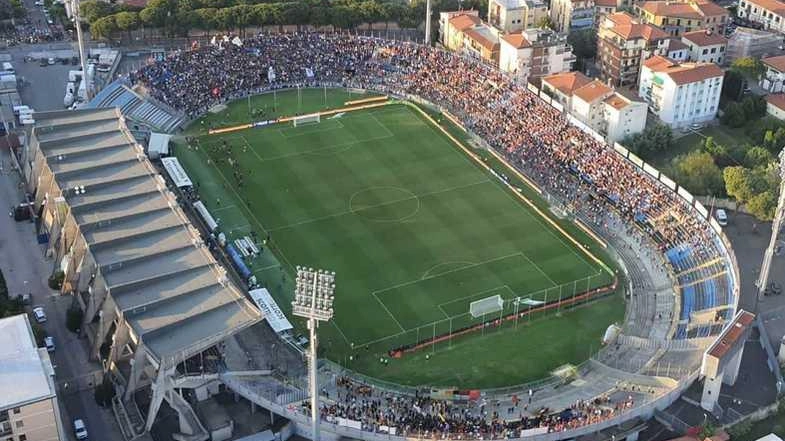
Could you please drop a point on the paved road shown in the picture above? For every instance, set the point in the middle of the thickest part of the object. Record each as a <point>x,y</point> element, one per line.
<point>26,270</point>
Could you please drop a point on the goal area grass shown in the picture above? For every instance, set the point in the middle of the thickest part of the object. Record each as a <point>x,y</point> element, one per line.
<point>415,229</point>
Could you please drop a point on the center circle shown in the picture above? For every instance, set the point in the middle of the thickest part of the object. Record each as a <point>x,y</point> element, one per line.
<point>384,204</point>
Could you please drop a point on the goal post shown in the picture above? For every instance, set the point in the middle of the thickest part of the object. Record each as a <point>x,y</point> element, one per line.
<point>487,305</point>
<point>306,119</point>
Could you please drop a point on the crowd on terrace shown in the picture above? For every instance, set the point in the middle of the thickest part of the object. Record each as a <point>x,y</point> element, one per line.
<point>532,134</point>
<point>516,123</point>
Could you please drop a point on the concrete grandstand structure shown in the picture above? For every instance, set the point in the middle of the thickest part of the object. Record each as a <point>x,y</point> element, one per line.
<point>152,293</point>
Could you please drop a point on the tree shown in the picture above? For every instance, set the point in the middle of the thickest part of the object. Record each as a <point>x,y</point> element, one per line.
<point>763,205</point>
<point>718,152</point>
<point>733,85</point>
<point>750,67</point>
<point>92,10</point>
<point>758,157</point>
<point>103,27</point>
<point>698,173</point>
<point>655,138</point>
<point>546,23</point>
<point>127,21</point>
<point>739,183</point>
<point>584,46</point>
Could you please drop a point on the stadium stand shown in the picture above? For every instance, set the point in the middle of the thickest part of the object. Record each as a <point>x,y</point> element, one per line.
<point>142,110</point>
<point>683,276</point>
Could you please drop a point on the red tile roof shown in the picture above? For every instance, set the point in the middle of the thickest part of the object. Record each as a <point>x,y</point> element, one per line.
<point>683,73</point>
<point>670,9</point>
<point>777,100</point>
<point>592,91</point>
<point>606,3</point>
<point>464,21</point>
<point>704,38</point>
<point>617,101</point>
<point>774,6</point>
<point>567,82</point>
<point>777,62</point>
<point>518,41</point>
<point>629,28</point>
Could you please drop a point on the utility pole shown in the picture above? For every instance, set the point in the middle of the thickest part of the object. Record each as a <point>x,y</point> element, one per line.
<point>428,23</point>
<point>80,42</point>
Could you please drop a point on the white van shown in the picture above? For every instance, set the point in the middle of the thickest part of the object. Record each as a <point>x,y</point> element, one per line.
<point>18,109</point>
<point>8,68</point>
<point>722,217</point>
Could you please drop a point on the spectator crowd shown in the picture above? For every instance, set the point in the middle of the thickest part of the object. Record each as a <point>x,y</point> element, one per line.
<point>531,134</point>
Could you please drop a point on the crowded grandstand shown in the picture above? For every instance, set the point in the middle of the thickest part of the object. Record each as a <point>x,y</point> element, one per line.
<point>597,184</point>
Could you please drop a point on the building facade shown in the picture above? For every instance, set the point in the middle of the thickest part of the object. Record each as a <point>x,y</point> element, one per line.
<point>775,105</point>
<point>706,46</point>
<point>773,80</point>
<point>676,17</point>
<point>531,54</point>
<point>29,409</point>
<point>571,15</point>
<point>622,43</point>
<point>596,105</point>
<point>516,15</point>
<point>681,94</point>
<point>452,24</point>
<point>769,13</point>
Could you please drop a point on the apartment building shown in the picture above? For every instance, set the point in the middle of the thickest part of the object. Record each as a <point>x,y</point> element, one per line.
<point>533,53</point>
<point>675,49</point>
<point>452,24</point>
<point>681,93</point>
<point>571,15</point>
<point>596,105</point>
<point>676,17</point>
<point>769,13</point>
<point>773,80</point>
<point>622,42</point>
<point>705,46</point>
<point>516,15</point>
<point>29,409</point>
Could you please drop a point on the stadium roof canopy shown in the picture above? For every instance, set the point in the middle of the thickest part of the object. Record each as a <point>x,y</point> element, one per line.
<point>164,282</point>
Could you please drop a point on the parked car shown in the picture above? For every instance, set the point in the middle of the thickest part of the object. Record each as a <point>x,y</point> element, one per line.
<point>51,60</point>
<point>80,430</point>
<point>39,314</point>
<point>722,217</point>
<point>49,342</point>
<point>26,299</point>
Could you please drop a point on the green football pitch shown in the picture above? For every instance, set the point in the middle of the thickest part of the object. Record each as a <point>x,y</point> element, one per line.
<point>414,229</point>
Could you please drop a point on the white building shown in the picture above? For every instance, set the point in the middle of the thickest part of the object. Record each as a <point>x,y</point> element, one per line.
<point>570,15</point>
<point>674,49</point>
<point>534,53</point>
<point>28,399</point>
<point>596,105</point>
<point>769,13</point>
<point>775,105</point>
<point>774,78</point>
<point>705,46</point>
<point>681,94</point>
<point>516,15</point>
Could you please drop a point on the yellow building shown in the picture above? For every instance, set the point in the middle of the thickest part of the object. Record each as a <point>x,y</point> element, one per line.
<point>676,18</point>
<point>453,24</point>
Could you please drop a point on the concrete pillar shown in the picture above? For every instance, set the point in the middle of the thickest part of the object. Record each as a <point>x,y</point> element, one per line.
<point>159,389</point>
<point>731,371</point>
<point>119,341</point>
<point>633,436</point>
<point>137,367</point>
<point>272,417</point>
<point>711,391</point>
<point>253,408</point>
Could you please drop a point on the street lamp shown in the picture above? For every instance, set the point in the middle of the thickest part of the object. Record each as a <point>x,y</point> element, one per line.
<point>313,300</point>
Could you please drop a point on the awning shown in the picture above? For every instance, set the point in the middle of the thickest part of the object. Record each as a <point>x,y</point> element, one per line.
<point>176,172</point>
<point>270,310</point>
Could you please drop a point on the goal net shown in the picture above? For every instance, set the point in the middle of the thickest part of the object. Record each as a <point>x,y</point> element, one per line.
<point>306,119</point>
<point>487,305</point>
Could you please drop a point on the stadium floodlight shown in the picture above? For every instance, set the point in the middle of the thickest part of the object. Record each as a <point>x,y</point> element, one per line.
<point>313,300</point>
<point>779,216</point>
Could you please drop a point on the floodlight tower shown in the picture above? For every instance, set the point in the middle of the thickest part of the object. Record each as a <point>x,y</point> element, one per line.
<point>313,299</point>
<point>428,22</point>
<point>779,216</point>
<point>77,15</point>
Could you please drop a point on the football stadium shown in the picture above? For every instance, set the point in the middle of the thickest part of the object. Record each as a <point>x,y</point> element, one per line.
<point>484,247</point>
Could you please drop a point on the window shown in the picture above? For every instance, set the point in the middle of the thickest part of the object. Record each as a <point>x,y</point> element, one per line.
<point>22,437</point>
<point>722,48</point>
<point>713,50</point>
<point>17,410</point>
<point>20,424</point>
